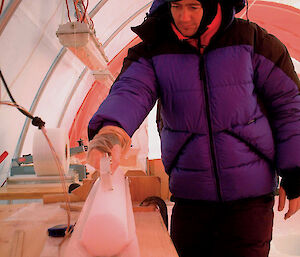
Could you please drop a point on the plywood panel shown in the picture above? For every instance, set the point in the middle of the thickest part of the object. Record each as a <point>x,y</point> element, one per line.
<point>156,168</point>
<point>29,191</point>
<point>151,230</point>
<point>143,186</point>
<point>34,219</point>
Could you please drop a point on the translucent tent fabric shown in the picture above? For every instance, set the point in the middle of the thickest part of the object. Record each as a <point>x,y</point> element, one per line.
<point>44,77</point>
<point>49,81</point>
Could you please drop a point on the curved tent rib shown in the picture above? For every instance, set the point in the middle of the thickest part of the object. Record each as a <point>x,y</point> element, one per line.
<point>7,13</point>
<point>71,95</point>
<point>138,12</point>
<point>36,100</point>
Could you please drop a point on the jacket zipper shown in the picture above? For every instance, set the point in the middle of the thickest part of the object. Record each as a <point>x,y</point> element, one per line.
<point>212,148</point>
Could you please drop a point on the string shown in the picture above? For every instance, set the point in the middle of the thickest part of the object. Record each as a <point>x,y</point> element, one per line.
<point>68,10</point>
<point>62,178</point>
<point>58,164</point>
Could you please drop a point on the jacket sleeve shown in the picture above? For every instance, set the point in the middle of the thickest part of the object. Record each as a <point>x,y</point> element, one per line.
<point>131,98</point>
<point>278,85</point>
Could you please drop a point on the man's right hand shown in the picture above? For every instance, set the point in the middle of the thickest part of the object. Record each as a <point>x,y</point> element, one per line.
<point>95,155</point>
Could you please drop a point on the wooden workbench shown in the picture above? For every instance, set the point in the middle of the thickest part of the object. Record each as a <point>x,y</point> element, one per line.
<point>29,191</point>
<point>140,188</point>
<point>32,220</point>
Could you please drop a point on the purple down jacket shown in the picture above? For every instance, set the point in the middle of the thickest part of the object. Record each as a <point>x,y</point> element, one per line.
<point>231,116</point>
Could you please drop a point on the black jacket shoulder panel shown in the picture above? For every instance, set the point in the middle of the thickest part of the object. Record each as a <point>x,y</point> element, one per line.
<point>134,54</point>
<point>273,49</point>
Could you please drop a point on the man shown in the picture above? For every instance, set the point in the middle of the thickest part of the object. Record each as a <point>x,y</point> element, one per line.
<point>230,111</point>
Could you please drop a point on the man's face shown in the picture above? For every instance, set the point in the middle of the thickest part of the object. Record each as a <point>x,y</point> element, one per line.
<point>187,15</point>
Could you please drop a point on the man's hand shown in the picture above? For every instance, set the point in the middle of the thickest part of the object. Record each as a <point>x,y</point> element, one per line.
<point>294,204</point>
<point>95,156</point>
<point>110,140</point>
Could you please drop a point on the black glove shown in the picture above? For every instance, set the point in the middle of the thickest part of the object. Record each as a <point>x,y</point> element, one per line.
<point>290,182</point>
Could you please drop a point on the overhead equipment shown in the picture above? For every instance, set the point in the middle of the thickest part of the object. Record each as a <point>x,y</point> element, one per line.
<point>79,38</point>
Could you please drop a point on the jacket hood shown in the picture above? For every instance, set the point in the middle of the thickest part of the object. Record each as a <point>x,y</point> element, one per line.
<point>157,23</point>
<point>156,4</point>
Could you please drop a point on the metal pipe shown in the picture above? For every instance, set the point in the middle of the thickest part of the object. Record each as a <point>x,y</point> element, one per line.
<point>8,13</point>
<point>71,95</point>
<point>124,24</point>
<point>97,8</point>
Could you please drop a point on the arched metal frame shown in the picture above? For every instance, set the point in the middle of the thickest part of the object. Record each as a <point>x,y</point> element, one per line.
<point>81,76</point>
<point>8,13</point>
<point>36,101</point>
<point>131,18</point>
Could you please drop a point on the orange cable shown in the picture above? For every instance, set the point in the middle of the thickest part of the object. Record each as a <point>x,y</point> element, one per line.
<point>75,2</point>
<point>85,9</point>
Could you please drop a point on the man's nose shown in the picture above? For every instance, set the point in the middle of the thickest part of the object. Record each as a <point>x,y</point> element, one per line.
<point>185,15</point>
